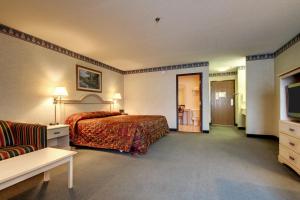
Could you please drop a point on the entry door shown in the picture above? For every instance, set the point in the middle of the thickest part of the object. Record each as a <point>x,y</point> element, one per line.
<point>222,102</point>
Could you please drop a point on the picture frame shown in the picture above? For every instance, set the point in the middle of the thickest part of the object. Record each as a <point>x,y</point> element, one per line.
<point>88,79</point>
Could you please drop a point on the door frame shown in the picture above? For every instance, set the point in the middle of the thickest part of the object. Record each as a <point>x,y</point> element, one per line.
<point>201,93</point>
<point>234,102</point>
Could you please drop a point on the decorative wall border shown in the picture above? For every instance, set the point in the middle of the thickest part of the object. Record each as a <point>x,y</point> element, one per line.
<point>279,51</point>
<point>234,73</point>
<point>169,67</point>
<point>287,45</point>
<point>48,45</point>
<point>260,57</point>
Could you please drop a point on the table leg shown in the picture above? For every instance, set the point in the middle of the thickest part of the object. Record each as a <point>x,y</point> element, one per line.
<point>46,176</point>
<point>70,173</point>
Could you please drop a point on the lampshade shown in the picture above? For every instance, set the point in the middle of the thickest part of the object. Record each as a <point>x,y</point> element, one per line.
<point>117,96</point>
<point>60,92</point>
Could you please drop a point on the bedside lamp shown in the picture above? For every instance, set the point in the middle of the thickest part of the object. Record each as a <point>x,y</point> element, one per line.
<point>58,93</point>
<point>117,96</point>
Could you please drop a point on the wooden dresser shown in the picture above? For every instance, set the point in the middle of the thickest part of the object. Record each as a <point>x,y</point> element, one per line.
<point>289,144</point>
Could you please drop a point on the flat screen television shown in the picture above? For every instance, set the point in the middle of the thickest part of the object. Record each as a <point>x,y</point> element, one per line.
<point>293,100</point>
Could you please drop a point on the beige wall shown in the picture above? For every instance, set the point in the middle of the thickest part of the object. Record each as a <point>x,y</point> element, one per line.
<point>260,94</point>
<point>241,96</point>
<point>29,74</point>
<point>288,60</point>
<point>155,93</point>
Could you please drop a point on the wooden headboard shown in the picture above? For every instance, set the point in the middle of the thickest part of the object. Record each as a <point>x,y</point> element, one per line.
<point>85,104</point>
<point>85,100</point>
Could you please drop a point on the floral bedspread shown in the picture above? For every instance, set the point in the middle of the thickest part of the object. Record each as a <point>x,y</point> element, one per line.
<point>129,133</point>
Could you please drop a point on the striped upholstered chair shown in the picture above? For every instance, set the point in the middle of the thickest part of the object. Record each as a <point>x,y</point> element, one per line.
<point>20,138</point>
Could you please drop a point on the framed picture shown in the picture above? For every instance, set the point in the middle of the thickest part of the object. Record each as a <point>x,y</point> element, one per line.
<point>88,79</point>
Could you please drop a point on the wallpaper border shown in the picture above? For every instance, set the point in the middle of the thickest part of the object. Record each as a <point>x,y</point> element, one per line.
<point>279,51</point>
<point>260,57</point>
<point>51,46</point>
<point>168,67</point>
<point>48,45</point>
<point>217,74</point>
<point>287,45</point>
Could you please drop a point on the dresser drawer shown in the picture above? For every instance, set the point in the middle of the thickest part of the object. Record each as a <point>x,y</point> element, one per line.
<point>290,156</point>
<point>290,142</point>
<point>290,128</point>
<point>57,132</point>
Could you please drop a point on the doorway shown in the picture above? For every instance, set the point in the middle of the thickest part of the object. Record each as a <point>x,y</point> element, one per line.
<point>189,102</point>
<point>222,102</point>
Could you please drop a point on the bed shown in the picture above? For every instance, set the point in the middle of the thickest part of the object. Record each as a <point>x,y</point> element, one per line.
<point>112,130</point>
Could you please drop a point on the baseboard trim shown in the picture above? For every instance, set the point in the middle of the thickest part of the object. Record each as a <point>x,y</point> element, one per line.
<point>242,128</point>
<point>175,129</point>
<point>272,137</point>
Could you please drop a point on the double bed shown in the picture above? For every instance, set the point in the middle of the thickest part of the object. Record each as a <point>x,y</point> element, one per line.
<point>112,130</point>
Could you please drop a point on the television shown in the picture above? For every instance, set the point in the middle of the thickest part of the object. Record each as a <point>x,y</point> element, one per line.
<point>293,100</point>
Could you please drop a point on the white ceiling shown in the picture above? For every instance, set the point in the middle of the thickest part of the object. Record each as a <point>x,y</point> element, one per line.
<point>122,33</point>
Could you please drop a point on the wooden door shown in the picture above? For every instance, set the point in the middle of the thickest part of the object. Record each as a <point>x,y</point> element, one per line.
<point>222,102</point>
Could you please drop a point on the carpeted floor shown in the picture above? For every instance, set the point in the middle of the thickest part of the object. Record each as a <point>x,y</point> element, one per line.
<point>222,165</point>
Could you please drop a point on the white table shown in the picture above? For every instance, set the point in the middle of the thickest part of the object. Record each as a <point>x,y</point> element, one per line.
<point>19,168</point>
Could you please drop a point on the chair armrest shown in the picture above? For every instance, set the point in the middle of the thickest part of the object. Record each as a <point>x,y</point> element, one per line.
<point>30,134</point>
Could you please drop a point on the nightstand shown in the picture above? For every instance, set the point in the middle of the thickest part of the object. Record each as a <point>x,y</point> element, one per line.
<point>58,136</point>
